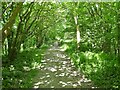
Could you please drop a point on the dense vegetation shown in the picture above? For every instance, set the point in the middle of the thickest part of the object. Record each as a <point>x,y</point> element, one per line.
<point>87,32</point>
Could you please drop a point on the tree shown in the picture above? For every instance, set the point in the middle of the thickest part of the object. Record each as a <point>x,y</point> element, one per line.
<point>7,27</point>
<point>118,28</point>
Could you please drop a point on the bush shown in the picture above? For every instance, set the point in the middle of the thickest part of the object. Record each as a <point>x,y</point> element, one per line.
<point>99,67</point>
<point>22,70</point>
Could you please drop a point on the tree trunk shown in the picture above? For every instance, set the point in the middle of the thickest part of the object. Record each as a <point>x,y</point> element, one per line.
<point>8,26</point>
<point>39,42</point>
<point>77,31</point>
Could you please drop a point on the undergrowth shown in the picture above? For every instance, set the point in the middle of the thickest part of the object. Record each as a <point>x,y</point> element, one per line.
<point>101,68</point>
<point>21,72</point>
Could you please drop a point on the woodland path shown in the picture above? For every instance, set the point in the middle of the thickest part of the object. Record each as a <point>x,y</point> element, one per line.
<point>57,71</point>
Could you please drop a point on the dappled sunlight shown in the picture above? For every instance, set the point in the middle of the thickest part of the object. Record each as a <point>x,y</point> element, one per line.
<point>57,70</point>
<point>62,74</point>
<point>12,68</point>
<point>89,55</point>
<point>36,87</point>
<point>61,55</point>
<point>54,44</point>
<point>26,68</point>
<point>64,47</point>
<point>35,65</point>
<point>52,69</point>
<point>65,62</point>
<point>23,69</point>
<point>38,83</point>
<point>63,83</point>
<point>36,54</point>
<point>43,61</point>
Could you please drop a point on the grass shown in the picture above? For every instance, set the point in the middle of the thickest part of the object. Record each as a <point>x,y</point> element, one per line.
<point>21,72</point>
<point>101,68</point>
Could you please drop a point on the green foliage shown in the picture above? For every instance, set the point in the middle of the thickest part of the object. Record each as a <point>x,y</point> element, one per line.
<point>99,67</point>
<point>97,55</point>
<point>20,73</point>
<point>41,23</point>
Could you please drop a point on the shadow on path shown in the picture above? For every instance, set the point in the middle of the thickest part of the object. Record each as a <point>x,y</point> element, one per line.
<point>57,71</point>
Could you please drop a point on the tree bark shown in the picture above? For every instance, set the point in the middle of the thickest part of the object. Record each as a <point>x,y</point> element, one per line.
<point>77,31</point>
<point>8,26</point>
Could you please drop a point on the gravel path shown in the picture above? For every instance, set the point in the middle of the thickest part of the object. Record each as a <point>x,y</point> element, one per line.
<point>57,71</point>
